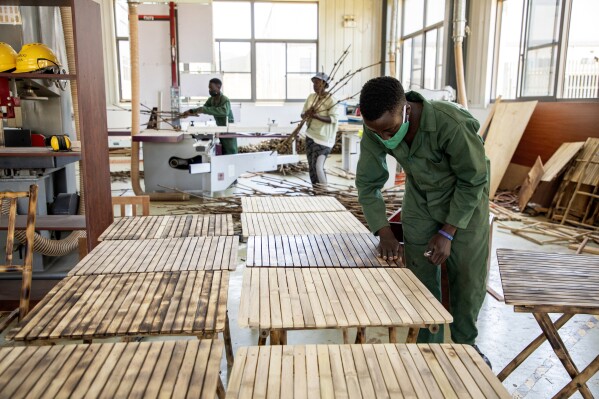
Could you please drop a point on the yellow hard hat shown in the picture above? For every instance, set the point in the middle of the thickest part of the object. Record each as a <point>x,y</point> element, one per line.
<point>8,57</point>
<point>34,57</point>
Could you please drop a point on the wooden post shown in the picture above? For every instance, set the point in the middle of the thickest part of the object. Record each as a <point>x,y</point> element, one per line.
<point>220,389</point>
<point>393,335</point>
<point>412,335</point>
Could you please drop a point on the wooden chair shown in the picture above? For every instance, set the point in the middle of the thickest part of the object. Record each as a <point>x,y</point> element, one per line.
<point>134,202</point>
<point>26,268</point>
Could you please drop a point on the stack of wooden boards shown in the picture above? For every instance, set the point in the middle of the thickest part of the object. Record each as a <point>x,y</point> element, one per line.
<point>313,266</point>
<point>151,276</point>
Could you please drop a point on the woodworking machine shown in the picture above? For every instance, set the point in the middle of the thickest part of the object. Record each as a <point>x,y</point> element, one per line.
<point>190,160</point>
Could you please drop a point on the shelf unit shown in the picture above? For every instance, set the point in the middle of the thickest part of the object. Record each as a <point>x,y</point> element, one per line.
<point>95,169</point>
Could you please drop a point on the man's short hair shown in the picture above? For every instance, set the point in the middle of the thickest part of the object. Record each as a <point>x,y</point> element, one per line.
<point>216,81</point>
<point>380,95</point>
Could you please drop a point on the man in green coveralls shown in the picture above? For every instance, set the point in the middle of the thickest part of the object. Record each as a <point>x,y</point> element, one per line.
<point>219,106</point>
<point>445,213</point>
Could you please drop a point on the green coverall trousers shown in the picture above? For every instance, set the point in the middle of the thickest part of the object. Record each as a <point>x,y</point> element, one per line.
<point>229,146</point>
<point>467,271</point>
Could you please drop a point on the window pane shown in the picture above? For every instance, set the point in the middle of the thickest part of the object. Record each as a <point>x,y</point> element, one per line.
<point>121,18</point>
<point>124,69</point>
<point>435,11</point>
<point>544,22</point>
<point>301,57</point>
<point>299,86</point>
<point>581,79</point>
<point>237,86</point>
<point>234,57</point>
<point>232,20</point>
<point>413,16</point>
<point>416,63</point>
<point>286,21</point>
<point>439,76</point>
<point>539,72</point>
<point>270,71</point>
<point>406,58</point>
<point>430,60</point>
<point>509,49</point>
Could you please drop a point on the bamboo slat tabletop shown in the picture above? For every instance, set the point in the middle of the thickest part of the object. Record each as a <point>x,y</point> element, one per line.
<point>145,227</point>
<point>326,250</point>
<point>362,371</point>
<point>264,224</point>
<point>160,255</point>
<point>549,279</point>
<point>313,298</point>
<point>131,304</point>
<point>174,369</point>
<point>298,204</point>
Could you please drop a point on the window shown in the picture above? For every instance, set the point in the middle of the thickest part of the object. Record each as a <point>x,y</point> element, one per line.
<point>269,51</point>
<point>422,41</point>
<point>547,49</point>
<point>121,19</point>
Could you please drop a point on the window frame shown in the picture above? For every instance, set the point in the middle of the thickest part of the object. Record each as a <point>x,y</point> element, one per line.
<point>253,41</point>
<point>439,78</point>
<point>561,52</point>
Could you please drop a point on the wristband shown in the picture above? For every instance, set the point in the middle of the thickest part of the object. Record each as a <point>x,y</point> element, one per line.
<point>446,235</point>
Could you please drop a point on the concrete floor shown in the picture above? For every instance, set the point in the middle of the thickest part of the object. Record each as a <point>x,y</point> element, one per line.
<point>502,332</point>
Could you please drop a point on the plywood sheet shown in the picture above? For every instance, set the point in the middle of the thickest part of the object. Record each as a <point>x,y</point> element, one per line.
<point>530,183</point>
<point>505,133</point>
<point>560,159</point>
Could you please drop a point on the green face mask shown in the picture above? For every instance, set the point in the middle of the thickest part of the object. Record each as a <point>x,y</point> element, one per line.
<point>394,141</point>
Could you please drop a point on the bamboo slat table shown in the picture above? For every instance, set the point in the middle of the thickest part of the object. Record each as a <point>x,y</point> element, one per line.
<point>362,371</point>
<point>160,255</point>
<point>144,227</point>
<point>326,250</point>
<point>298,204</point>
<point>264,224</point>
<point>174,369</point>
<point>131,305</point>
<point>275,300</point>
<point>543,283</point>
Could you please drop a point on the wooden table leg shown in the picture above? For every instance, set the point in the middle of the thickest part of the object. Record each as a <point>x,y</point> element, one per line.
<point>283,337</point>
<point>412,335</point>
<point>274,338</point>
<point>560,350</point>
<point>345,333</point>
<point>361,335</point>
<point>220,389</point>
<point>579,380</point>
<point>533,346</point>
<point>228,343</point>
<point>393,335</point>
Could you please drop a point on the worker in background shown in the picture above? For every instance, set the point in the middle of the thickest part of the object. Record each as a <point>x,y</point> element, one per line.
<point>219,106</point>
<point>320,109</point>
<point>445,213</point>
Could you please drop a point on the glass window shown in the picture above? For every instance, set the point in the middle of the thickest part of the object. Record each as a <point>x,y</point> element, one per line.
<point>406,54</point>
<point>286,21</point>
<point>124,70</point>
<point>121,17</point>
<point>232,19</point>
<point>413,16</point>
<point>581,77</point>
<point>430,60</point>
<point>509,49</point>
<point>270,71</point>
<point>235,57</point>
<point>238,85</point>
<point>301,57</point>
<point>435,11</point>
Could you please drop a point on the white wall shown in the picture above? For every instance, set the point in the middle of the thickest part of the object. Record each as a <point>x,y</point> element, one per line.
<point>333,40</point>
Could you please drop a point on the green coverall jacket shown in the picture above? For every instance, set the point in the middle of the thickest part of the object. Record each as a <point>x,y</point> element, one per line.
<point>447,181</point>
<point>221,112</point>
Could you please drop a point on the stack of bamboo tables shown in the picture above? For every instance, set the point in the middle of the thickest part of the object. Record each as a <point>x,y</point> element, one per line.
<point>173,369</point>
<point>362,371</point>
<point>543,283</point>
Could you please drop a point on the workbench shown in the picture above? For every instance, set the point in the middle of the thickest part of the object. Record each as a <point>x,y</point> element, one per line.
<point>275,300</point>
<point>362,371</point>
<point>543,283</point>
<point>160,255</point>
<point>323,250</point>
<point>174,369</point>
<point>146,227</point>
<point>263,224</point>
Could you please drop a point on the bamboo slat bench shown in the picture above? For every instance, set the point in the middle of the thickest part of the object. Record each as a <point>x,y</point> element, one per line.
<point>275,300</point>
<point>362,371</point>
<point>287,204</point>
<point>543,283</point>
<point>158,255</point>
<point>144,227</point>
<point>173,369</point>
<point>326,250</point>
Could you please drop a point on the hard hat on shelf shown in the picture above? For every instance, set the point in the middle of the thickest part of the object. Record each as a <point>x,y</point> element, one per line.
<point>8,57</point>
<point>36,57</point>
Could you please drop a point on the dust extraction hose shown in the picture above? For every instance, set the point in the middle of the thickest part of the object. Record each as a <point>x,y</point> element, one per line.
<point>41,244</point>
<point>135,110</point>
